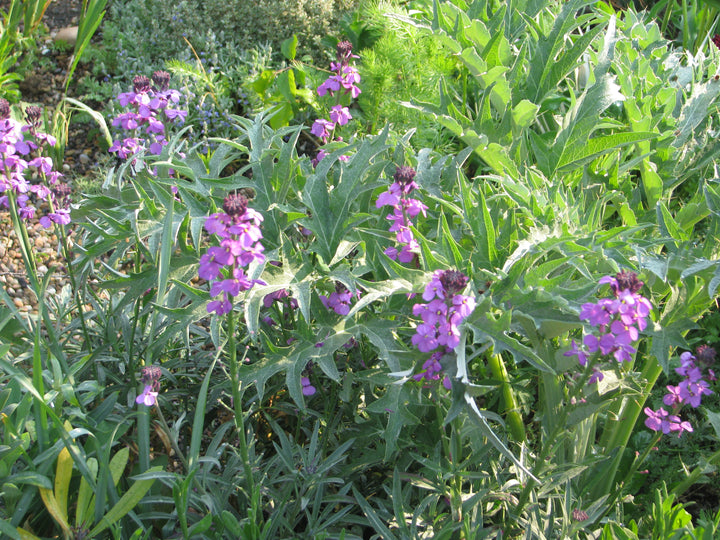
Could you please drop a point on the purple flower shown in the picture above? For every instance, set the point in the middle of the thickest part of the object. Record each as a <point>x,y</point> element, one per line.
<point>147,103</point>
<point>307,388</point>
<point>322,128</point>
<point>340,115</point>
<point>148,397</point>
<point>661,420</point>
<point>238,228</point>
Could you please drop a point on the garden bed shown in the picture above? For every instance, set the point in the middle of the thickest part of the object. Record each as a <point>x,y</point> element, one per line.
<point>447,272</point>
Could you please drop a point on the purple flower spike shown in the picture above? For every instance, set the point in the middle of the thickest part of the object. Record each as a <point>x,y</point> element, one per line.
<point>238,228</point>
<point>442,315</point>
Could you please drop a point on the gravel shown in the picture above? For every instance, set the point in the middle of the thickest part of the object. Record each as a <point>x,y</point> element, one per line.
<point>44,86</point>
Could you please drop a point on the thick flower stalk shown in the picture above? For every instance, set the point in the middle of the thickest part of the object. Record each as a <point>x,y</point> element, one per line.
<point>238,228</point>
<point>151,104</point>
<point>689,391</point>
<point>404,209</point>
<point>441,316</point>
<point>344,80</point>
<point>21,151</point>
<point>618,322</point>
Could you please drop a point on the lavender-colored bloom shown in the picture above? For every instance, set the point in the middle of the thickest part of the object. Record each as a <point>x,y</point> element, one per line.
<point>148,397</point>
<point>692,391</point>
<point>240,245</point>
<point>581,354</point>
<point>147,103</point>
<point>307,388</point>
<point>340,115</point>
<point>674,396</point>
<point>322,128</point>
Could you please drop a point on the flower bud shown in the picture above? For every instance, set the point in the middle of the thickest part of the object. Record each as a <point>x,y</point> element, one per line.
<point>141,84</point>
<point>161,80</point>
<point>235,205</point>
<point>4,109</point>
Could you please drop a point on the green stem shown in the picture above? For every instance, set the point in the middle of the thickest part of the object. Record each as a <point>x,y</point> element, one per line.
<point>513,418</point>
<point>456,459</point>
<point>254,515</point>
<point>617,432</point>
<point>549,442</point>
<point>144,438</point>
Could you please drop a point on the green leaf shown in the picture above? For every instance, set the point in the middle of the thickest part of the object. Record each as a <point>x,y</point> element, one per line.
<point>394,403</point>
<point>126,503</point>
<point>289,47</point>
<point>377,523</point>
<point>524,114</point>
<point>31,478</point>
<point>575,155</point>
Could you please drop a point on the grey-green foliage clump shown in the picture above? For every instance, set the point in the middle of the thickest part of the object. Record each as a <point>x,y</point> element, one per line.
<point>272,21</point>
<point>161,30</point>
<point>232,37</point>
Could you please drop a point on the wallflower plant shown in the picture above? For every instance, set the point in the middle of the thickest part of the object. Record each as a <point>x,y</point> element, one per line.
<point>151,105</point>
<point>345,80</point>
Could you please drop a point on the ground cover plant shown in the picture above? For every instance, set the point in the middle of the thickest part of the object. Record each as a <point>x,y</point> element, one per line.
<point>324,320</point>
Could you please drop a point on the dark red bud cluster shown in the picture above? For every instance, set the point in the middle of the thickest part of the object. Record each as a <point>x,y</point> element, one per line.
<point>453,282</point>
<point>235,205</point>
<point>627,281</point>
<point>404,175</point>
<point>141,84</point>
<point>161,80</point>
<point>4,109</point>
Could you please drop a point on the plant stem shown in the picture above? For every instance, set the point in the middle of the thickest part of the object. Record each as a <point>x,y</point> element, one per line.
<point>240,421</point>
<point>511,410</point>
<point>548,443</point>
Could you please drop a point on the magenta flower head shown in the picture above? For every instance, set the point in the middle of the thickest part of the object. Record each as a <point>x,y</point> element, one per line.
<point>618,321</point>
<point>441,316</point>
<point>238,228</point>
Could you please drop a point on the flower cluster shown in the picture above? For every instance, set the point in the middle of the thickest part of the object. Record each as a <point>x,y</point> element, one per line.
<point>151,379</point>
<point>619,321</point>
<point>445,309</point>
<point>239,229</point>
<point>404,209</point>
<point>150,102</point>
<point>340,300</point>
<point>690,391</point>
<point>282,296</point>
<point>345,77</point>
<point>21,147</point>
